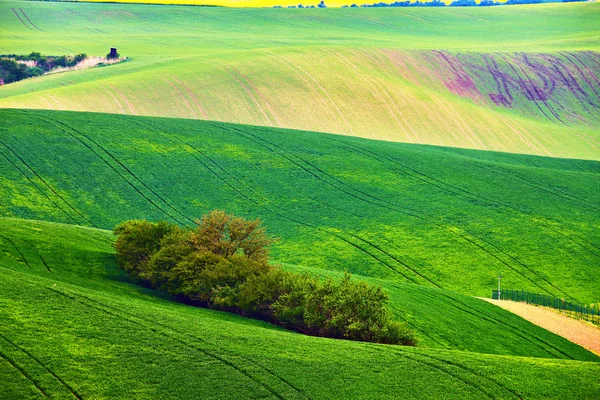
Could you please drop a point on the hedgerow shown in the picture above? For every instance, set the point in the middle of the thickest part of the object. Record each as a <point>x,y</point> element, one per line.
<point>223,264</point>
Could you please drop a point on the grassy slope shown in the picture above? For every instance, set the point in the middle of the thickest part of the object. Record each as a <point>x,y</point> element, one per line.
<point>407,213</point>
<point>369,73</point>
<point>72,324</point>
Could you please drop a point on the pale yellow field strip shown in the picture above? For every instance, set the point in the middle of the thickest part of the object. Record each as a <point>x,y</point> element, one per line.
<point>580,332</point>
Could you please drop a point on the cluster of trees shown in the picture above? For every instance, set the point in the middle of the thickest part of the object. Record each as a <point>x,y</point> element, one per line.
<point>11,70</point>
<point>223,264</point>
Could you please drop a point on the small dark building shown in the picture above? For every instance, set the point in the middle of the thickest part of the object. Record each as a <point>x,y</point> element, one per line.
<point>113,53</point>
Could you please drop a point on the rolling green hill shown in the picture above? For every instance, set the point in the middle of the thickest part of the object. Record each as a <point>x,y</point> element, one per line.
<point>72,324</point>
<point>513,79</point>
<point>439,217</point>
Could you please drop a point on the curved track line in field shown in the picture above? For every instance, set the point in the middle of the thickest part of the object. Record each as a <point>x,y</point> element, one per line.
<point>58,378</point>
<point>285,214</point>
<point>521,136</point>
<point>135,320</point>
<point>461,367</point>
<point>13,244</point>
<point>456,190</point>
<point>464,133</point>
<point>124,98</point>
<point>191,95</point>
<point>324,92</point>
<point>117,172</point>
<point>259,94</point>
<point>461,233</point>
<point>374,91</point>
<point>23,373</point>
<point>27,18</point>
<point>60,107</point>
<point>47,102</point>
<point>373,59</point>
<point>39,189</point>
<point>319,95</point>
<point>480,315</point>
<point>474,372</point>
<point>472,238</point>
<point>320,174</point>
<point>113,96</point>
<point>248,91</point>
<point>579,332</point>
<point>18,16</point>
<point>581,72</point>
<point>37,252</point>
<point>44,182</point>
<point>181,95</point>
<point>230,353</point>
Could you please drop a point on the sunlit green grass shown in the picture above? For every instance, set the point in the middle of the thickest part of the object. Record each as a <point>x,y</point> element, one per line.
<point>407,213</point>
<point>371,73</point>
<point>74,325</point>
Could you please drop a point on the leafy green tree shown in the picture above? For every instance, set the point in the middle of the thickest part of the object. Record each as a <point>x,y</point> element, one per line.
<point>137,241</point>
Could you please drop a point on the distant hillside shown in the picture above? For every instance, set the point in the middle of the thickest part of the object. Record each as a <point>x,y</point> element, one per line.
<point>513,79</point>
<point>435,216</point>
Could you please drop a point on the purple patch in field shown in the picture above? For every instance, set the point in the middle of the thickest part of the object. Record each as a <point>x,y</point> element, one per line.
<point>500,100</point>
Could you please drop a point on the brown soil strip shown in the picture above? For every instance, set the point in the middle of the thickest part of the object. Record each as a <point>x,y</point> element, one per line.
<point>579,332</point>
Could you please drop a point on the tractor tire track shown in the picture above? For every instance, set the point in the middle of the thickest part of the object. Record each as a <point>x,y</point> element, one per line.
<point>255,89</point>
<point>69,216</point>
<point>58,378</point>
<point>27,18</point>
<point>191,95</point>
<point>128,171</point>
<point>461,192</point>
<point>248,92</point>
<point>24,373</point>
<point>9,240</point>
<point>468,370</point>
<point>18,16</point>
<point>282,152</point>
<point>456,190</point>
<point>133,320</point>
<point>436,367</point>
<point>377,93</point>
<point>526,336</point>
<point>231,353</point>
<point>181,95</point>
<point>298,68</point>
<point>45,183</point>
<point>284,214</point>
<point>113,96</point>
<point>393,207</point>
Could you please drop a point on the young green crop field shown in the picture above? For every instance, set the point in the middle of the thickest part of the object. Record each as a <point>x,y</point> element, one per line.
<point>439,217</point>
<point>425,150</point>
<point>514,79</point>
<point>73,326</point>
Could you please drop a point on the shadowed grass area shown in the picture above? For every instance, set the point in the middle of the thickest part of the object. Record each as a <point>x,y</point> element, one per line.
<point>429,215</point>
<point>73,326</point>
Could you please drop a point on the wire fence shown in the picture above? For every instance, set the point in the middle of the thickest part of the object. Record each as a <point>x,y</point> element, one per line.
<point>588,312</point>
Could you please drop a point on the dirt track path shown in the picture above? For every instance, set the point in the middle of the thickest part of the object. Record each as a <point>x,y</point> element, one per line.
<point>580,332</point>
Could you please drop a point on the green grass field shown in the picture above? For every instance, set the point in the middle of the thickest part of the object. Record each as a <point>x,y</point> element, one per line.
<point>486,162</point>
<point>513,79</point>
<point>409,213</point>
<point>73,326</point>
